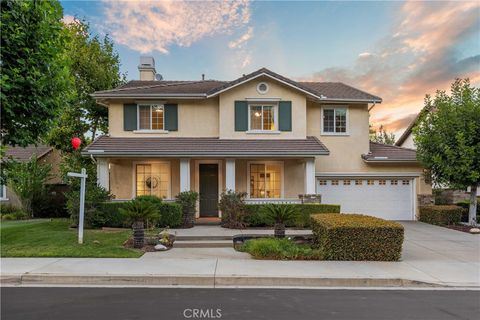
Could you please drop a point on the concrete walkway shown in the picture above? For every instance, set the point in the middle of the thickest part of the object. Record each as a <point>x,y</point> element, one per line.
<point>433,256</point>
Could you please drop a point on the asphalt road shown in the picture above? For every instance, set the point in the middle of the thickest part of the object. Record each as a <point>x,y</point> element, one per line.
<point>293,304</point>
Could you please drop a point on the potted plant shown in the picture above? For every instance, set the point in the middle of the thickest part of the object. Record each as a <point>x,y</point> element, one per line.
<point>138,213</point>
<point>188,201</point>
<point>280,215</point>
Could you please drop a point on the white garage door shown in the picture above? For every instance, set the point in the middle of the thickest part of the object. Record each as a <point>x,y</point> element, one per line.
<point>390,199</point>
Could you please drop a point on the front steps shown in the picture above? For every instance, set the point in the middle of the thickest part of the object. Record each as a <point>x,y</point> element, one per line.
<point>203,242</point>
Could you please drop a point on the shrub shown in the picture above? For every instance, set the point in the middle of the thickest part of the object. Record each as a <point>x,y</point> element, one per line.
<point>156,201</point>
<point>280,214</point>
<point>466,206</point>
<point>94,196</point>
<point>357,237</point>
<point>28,181</point>
<point>280,249</point>
<point>188,201</point>
<point>140,211</point>
<point>441,215</point>
<point>19,214</point>
<point>6,208</point>
<point>111,215</point>
<point>256,217</point>
<point>170,215</point>
<point>232,205</point>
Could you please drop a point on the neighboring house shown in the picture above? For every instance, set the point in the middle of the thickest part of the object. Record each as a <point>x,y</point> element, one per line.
<point>263,134</point>
<point>406,139</point>
<point>43,153</point>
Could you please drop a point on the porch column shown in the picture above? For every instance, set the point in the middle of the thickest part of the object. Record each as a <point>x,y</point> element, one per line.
<point>310,176</point>
<point>184,174</point>
<point>230,174</point>
<point>103,174</point>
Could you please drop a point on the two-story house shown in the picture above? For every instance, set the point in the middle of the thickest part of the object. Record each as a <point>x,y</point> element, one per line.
<point>263,134</point>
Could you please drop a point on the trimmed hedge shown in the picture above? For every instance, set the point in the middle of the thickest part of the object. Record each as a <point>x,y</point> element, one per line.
<point>109,215</point>
<point>171,215</point>
<point>441,215</point>
<point>256,218</point>
<point>357,237</point>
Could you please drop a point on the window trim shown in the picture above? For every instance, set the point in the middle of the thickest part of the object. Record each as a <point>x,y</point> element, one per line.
<point>275,117</point>
<point>347,120</point>
<point>4,189</point>
<point>282,180</point>
<point>134,177</point>
<point>150,130</point>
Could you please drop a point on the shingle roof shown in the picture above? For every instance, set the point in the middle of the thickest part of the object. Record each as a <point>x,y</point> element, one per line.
<point>24,154</point>
<point>208,146</point>
<point>207,88</point>
<point>386,153</point>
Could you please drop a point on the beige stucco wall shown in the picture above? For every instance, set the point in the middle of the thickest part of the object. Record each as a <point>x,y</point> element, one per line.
<point>248,91</point>
<point>345,150</point>
<point>196,118</point>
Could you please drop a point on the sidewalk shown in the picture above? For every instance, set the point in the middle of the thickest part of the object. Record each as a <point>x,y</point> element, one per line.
<point>433,256</point>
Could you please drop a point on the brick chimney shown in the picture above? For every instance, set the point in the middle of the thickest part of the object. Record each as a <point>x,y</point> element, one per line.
<point>147,68</point>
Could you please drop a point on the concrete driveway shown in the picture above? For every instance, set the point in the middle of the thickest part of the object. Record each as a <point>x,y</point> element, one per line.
<point>442,253</point>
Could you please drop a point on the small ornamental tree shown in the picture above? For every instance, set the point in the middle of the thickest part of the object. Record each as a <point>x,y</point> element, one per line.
<point>382,136</point>
<point>448,139</point>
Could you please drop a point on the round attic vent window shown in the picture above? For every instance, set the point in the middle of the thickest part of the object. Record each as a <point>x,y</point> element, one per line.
<point>262,88</point>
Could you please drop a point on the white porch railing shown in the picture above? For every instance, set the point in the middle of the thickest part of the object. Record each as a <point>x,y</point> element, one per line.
<point>276,201</point>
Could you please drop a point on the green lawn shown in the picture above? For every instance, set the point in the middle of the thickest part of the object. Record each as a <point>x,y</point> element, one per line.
<point>45,238</point>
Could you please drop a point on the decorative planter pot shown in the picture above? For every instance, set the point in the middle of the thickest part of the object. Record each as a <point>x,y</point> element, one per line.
<point>279,230</point>
<point>138,234</point>
<point>189,218</point>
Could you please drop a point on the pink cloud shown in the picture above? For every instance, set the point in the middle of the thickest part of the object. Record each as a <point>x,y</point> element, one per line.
<point>146,26</point>
<point>419,57</point>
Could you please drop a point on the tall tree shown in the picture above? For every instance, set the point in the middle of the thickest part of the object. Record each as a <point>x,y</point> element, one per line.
<point>381,136</point>
<point>35,78</point>
<point>95,65</point>
<point>448,138</point>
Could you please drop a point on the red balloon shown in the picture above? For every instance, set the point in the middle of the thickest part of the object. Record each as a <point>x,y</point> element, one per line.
<point>76,142</point>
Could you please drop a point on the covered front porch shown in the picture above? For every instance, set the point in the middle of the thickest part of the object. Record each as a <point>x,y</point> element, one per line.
<point>267,170</point>
<point>264,180</point>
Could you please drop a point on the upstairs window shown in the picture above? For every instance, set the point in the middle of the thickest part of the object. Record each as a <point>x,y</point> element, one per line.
<point>334,120</point>
<point>262,118</point>
<point>151,117</point>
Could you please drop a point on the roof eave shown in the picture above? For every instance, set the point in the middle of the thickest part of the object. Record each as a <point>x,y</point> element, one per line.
<point>389,161</point>
<point>143,154</point>
<point>150,95</point>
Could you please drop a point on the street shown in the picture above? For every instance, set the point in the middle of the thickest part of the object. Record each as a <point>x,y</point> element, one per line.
<point>190,303</point>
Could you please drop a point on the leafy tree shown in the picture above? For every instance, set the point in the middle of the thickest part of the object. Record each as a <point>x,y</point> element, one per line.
<point>28,181</point>
<point>95,65</point>
<point>448,138</point>
<point>382,136</point>
<point>35,80</point>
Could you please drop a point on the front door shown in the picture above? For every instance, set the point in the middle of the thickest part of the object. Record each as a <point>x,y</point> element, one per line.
<point>208,190</point>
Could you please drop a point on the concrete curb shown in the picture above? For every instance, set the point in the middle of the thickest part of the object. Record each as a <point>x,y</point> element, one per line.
<point>208,281</point>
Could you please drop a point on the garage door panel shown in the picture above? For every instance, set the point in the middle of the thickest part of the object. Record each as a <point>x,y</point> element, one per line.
<point>392,202</point>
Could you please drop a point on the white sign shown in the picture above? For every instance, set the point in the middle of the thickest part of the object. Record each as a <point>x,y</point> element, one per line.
<point>83,177</point>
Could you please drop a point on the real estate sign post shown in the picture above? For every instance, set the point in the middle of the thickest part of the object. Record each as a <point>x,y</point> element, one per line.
<point>83,177</point>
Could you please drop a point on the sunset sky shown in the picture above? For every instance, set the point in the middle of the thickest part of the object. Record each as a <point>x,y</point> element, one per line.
<point>397,50</point>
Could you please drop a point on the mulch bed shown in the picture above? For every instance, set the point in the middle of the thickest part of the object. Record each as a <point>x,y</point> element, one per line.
<point>146,248</point>
<point>460,227</point>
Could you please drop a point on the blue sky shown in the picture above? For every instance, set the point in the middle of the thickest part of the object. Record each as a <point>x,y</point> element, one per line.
<point>397,50</point>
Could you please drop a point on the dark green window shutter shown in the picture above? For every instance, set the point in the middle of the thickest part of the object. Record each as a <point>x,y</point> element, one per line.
<point>285,115</point>
<point>241,116</point>
<point>129,117</point>
<point>171,117</point>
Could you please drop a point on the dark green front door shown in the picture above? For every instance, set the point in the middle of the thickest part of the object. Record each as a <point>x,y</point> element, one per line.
<point>208,190</point>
